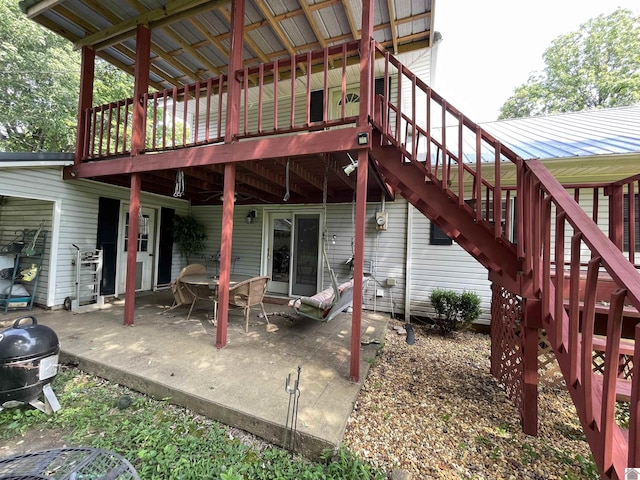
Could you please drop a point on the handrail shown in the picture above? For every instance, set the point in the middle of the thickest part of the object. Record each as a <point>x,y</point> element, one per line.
<point>571,330</point>
<point>421,131</point>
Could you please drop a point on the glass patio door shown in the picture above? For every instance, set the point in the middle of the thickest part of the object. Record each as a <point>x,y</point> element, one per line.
<point>293,253</point>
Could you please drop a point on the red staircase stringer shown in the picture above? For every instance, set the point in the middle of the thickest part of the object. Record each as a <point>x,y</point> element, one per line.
<point>428,198</point>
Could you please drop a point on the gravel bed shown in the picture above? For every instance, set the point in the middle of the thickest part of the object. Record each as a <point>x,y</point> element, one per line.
<point>432,409</point>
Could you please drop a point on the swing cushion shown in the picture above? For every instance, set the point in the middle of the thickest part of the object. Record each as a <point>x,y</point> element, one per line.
<point>321,302</point>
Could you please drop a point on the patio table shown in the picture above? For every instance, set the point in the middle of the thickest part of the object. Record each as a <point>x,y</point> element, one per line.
<point>212,281</point>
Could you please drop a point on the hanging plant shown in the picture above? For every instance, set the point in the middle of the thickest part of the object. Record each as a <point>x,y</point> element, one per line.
<point>189,235</point>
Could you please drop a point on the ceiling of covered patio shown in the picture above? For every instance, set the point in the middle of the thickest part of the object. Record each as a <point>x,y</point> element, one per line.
<point>190,39</point>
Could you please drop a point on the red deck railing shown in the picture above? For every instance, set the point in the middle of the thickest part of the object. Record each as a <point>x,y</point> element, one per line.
<point>276,98</point>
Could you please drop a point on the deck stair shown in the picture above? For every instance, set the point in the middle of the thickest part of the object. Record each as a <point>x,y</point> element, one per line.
<point>547,258</point>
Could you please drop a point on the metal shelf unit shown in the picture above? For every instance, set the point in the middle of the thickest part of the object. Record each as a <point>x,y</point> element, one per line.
<point>27,267</point>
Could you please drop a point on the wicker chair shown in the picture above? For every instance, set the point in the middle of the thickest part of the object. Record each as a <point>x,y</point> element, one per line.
<point>246,294</point>
<point>185,294</point>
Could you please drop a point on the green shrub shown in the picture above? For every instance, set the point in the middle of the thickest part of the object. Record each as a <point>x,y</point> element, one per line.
<point>455,311</point>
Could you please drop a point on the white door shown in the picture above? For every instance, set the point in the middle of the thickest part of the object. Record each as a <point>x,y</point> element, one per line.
<point>146,248</point>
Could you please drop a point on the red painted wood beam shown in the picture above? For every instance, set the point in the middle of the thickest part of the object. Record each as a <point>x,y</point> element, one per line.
<point>616,200</point>
<point>339,140</point>
<point>132,250</point>
<point>85,101</point>
<point>140,88</point>
<point>529,343</point>
<point>225,254</point>
<point>366,79</point>
<point>234,83</point>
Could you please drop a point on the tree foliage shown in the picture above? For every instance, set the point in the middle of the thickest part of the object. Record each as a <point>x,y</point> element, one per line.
<point>597,66</point>
<point>39,85</point>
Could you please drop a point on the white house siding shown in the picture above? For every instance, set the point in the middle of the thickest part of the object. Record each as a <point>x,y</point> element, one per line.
<point>386,249</point>
<point>71,210</point>
<point>442,266</point>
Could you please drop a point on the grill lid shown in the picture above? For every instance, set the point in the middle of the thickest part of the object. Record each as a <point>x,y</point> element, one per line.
<point>27,340</point>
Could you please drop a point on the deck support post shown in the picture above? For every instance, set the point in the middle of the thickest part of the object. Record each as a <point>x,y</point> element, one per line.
<point>234,85</point>
<point>361,187</point>
<point>140,89</point>
<point>231,129</point>
<point>532,322</point>
<point>132,249</point>
<point>85,100</point>
<point>225,253</point>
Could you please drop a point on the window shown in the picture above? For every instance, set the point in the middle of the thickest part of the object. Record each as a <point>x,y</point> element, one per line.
<point>438,237</point>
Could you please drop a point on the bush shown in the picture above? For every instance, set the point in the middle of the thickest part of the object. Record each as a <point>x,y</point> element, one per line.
<point>455,311</point>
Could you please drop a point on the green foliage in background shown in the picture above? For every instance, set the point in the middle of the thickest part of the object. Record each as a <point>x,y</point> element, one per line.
<point>40,83</point>
<point>597,66</point>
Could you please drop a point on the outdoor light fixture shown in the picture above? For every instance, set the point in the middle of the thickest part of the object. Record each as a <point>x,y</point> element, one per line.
<point>349,169</point>
<point>363,138</point>
<point>250,216</point>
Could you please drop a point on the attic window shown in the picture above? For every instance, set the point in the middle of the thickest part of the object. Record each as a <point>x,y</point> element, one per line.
<point>350,98</point>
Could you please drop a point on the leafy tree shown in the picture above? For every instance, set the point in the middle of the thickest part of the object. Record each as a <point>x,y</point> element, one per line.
<point>39,85</point>
<point>596,67</point>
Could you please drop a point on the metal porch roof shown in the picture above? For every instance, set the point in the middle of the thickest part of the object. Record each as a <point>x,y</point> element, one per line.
<point>190,38</point>
<point>608,131</point>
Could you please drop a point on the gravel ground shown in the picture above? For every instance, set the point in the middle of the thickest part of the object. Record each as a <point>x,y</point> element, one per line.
<point>432,409</point>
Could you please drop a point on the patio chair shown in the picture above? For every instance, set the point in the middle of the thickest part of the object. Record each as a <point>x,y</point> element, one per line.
<point>186,294</point>
<point>246,294</point>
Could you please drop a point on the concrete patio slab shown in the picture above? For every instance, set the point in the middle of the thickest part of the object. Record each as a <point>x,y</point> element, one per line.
<point>241,385</point>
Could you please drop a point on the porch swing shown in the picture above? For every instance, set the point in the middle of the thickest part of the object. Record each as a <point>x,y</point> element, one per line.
<point>325,305</point>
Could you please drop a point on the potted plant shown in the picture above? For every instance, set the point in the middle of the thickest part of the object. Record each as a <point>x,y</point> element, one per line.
<point>189,235</point>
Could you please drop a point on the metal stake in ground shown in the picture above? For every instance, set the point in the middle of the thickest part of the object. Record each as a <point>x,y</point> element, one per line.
<point>291,427</point>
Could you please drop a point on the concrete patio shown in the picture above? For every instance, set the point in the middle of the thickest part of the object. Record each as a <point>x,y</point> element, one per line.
<point>241,385</point>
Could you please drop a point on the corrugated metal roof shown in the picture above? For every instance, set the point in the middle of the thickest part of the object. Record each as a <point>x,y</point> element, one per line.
<point>595,132</point>
<point>190,38</point>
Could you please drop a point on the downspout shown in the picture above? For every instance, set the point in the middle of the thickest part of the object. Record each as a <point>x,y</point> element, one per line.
<point>407,264</point>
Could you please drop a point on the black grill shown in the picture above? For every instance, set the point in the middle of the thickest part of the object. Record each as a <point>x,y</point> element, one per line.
<point>28,361</point>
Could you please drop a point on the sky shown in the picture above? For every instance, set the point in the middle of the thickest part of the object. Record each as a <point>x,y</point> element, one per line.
<point>490,47</point>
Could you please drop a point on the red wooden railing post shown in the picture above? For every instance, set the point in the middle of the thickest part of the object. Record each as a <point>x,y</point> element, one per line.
<point>616,199</point>
<point>87,71</point>
<point>234,84</point>
<point>140,89</point>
